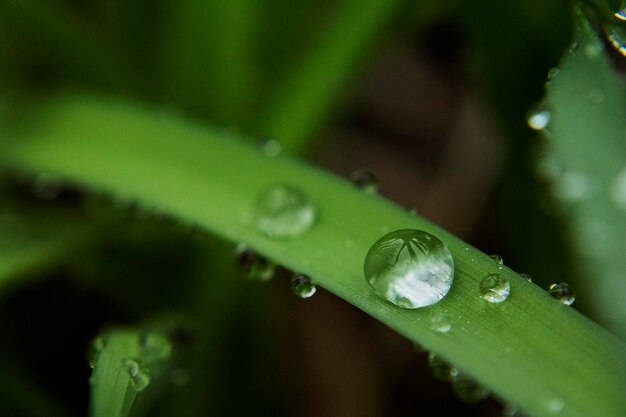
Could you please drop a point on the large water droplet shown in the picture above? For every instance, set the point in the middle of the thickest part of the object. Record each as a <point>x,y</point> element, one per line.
<point>618,190</point>
<point>253,265</point>
<point>495,288</point>
<point>538,117</point>
<point>364,180</point>
<point>467,389</point>
<point>139,377</point>
<point>302,286</point>
<point>562,292</point>
<point>440,369</point>
<point>410,268</point>
<point>283,211</point>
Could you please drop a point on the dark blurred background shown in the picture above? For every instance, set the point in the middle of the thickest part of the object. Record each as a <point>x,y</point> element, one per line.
<point>430,96</point>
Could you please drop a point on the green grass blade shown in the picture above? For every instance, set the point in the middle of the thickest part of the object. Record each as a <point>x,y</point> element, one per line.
<point>303,101</point>
<point>587,100</point>
<point>126,365</point>
<point>210,55</point>
<point>530,350</point>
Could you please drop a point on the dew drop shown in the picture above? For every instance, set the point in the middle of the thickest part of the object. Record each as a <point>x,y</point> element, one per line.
<point>467,389</point>
<point>562,292</point>
<point>495,288</point>
<point>618,190</point>
<point>154,346</point>
<point>440,323</point>
<point>498,259</point>
<point>139,377</point>
<point>92,363</point>
<point>440,369</point>
<point>556,405</point>
<point>617,38</point>
<point>272,148</point>
<point>410,268</point>
<point>283,211</point>
<point>527,277</point>
<point>364,180</point>
<point>302,286</point>
<point>253,265</point>
<point>538,117</point>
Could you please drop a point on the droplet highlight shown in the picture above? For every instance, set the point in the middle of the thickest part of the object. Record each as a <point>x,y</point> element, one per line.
<point>283,211</point>
<point>563,293</point>
<point>495,288</point>
<point>538,117</point>
<point>302,286</point>
<point>410,268</point>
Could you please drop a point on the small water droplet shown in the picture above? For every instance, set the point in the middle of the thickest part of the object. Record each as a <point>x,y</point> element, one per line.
<point>253,265</point>
<point>618,190</point>
<point>283,211</point>
<point>410,268</point>
<point>47,187</point>
<point>272,148</point>
<point>98,344</point>
<point>440,369</point>
<point>572,186</point>
<point>154,346</point>
<point>538,117</point>
<point>139,377</point>
<point>495,288</point>
<point>595,96</point>
<point>302,286</point>
<point>556,405</point>
<point>527,277</point>
<point>440,323</point>
<point>553,72</point>
<point>498,259</point>
<point>364,180</point>
<point>92,363</point>
<point>467,389</point>
<point>562,292</point>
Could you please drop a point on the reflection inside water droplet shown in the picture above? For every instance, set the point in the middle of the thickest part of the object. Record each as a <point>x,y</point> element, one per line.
<point>495,288</point>
<point>410,268</point>
<point>563,293</point>
<point>302,286</point>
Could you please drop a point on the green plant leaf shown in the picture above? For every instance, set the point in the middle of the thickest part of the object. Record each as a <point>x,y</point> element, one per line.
<point>587,166</point>
<point>530,350</point>
<point>127,364</point>
<point>301,103</point>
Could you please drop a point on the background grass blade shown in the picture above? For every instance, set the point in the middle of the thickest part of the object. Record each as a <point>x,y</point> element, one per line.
<point>126,364</point>
<point>585,144</point>
<point>302,102</point>
<point>530,350</point>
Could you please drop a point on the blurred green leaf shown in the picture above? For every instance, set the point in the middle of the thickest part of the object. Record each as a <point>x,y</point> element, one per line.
<point>587,162</point>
